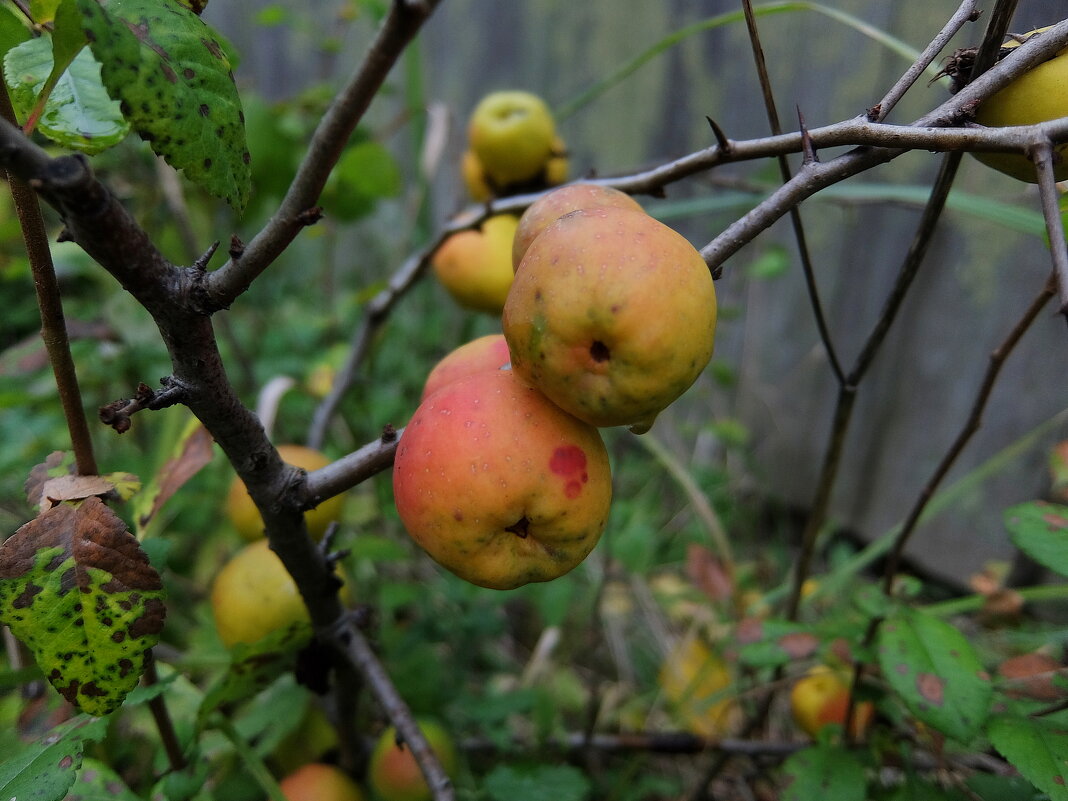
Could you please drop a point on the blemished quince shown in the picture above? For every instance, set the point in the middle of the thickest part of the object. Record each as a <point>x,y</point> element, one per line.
<point>612,315</point>
<point>696,683</point>
<point>317,781</point>
<point>553,205</point>
<point>253,596</point>
<point>485,353</point>
<point>1039,95</point>
<point>500,486</point>
<point>246,517</point>
<point>821,698</point>
<point>475,266</point>
<point>393,772</point>
<point>512,133</point>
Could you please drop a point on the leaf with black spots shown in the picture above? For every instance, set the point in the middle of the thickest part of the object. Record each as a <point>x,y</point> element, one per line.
<point>77,589</point>
<point>937,673</point>
<point>172,75</point>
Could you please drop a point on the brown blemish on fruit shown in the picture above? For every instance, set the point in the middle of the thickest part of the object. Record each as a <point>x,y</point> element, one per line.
<point>521,528</point>
<point>599,351</point>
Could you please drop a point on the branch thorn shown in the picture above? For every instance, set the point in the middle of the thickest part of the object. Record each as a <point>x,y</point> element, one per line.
<point>721,138</point>
<point>807,148</point>
<point>201,263</point>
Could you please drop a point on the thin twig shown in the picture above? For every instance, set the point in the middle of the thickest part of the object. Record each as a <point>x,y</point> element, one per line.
<point>1043,157</point>
<point>965,14</point>
<point>158,706</point>
<point>971,425</point>
<point>400,26</point>
<point>50,304</point>
<point>348,637</point>
<point>795,213</point>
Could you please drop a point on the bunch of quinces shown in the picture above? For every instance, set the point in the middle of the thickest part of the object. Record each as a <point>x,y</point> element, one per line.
<point>501,475</point>
<point>512,147</point>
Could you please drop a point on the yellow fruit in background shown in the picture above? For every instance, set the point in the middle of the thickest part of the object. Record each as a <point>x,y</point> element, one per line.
<point>394,774</point>
<point>696,683</point>
<point>476,266</point>
<point>821,697</point>
<point>1040,94</point>
<point>253,595</point>
<point>474,177</point>
<point>512,133</point>
<point>246,517</point>
<point>320,782</point>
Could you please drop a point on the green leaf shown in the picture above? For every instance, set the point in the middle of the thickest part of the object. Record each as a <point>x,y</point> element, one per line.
<point>192,450</point>
<point>914,789</point>
<point>1040,530</point>
<point>172,75</point>
<point>990,787</point>
<point>12,31</point>
<point>365,172</point>
<point>77,111</point>
<point>1037,748</point>
<point>772,263</point>
<point>935,670</point>
<point>254,667</point>
<point>45,770</point>
<point>536,783</point>
<point>98,782</point>
<point>824,772</point>
<point>43,10</point>
<point>76,588</point>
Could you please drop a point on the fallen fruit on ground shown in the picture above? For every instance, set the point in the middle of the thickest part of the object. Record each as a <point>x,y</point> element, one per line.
<point>246,517</point>
<point>696,683</point>
<point>512,133</point>
<point>612,315</point>
<point>553,205</point>
<point>1039,95</point>
<point>320,782</point>
<point>500,486</point>
<point>253,596</point>
<point>485,353</point>
<point>475,266</point>
<point>821,698</point>
<point>393,772</point>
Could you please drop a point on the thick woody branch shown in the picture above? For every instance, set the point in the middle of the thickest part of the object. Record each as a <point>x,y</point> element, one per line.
<point>403,22</point>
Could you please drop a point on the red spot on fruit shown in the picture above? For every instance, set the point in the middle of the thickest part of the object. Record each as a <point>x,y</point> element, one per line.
<point>573,489</point>
<point>568,459</point>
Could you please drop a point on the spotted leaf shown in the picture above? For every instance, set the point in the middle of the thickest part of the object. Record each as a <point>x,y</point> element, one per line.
<point>171,74</point>
<point>76,588</point>
<point>936,672</point>
<point>45,770</point>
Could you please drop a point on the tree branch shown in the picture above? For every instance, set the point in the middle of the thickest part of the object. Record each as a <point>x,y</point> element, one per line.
<point>400,26</point>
